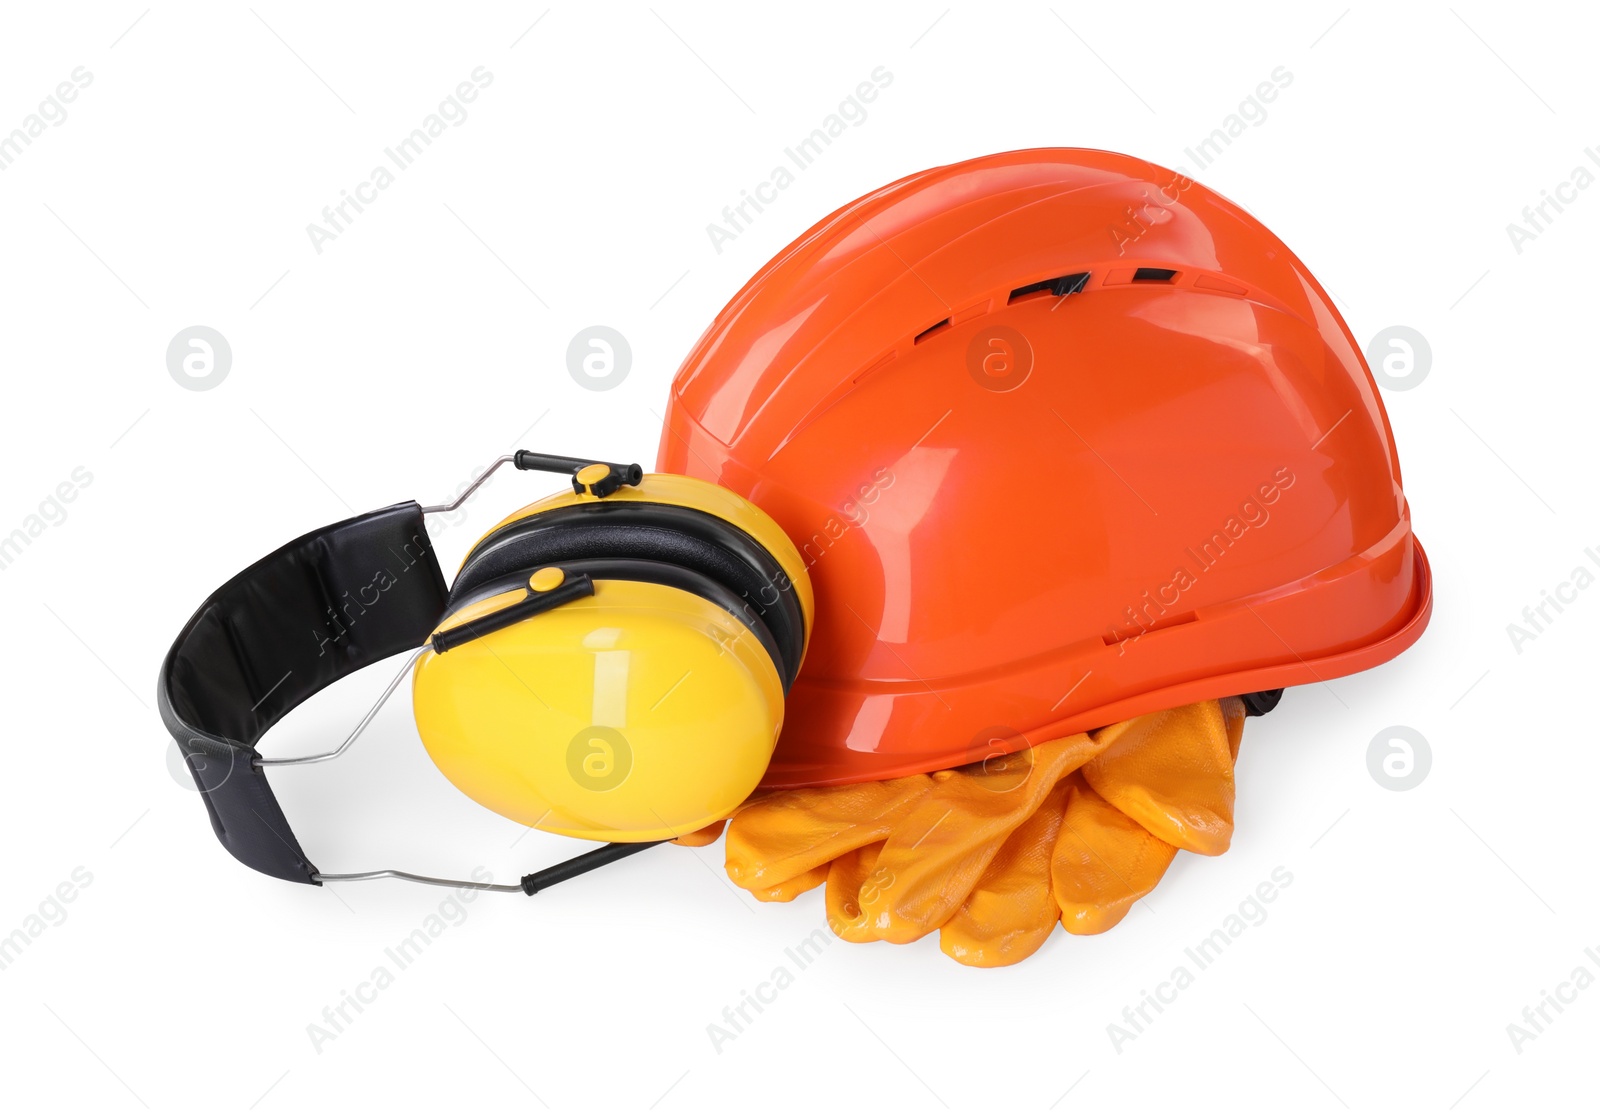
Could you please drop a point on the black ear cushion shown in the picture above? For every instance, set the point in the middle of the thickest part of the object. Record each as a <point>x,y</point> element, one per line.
<point>685,537</point>
<point>662,574</point>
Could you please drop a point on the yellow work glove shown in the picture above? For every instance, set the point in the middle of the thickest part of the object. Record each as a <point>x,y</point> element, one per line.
<point>1163,782</point>
<point>1076,829</point>
<point>783,843</point>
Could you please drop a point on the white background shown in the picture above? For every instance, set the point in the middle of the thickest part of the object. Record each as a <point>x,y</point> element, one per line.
<point>431,335</point>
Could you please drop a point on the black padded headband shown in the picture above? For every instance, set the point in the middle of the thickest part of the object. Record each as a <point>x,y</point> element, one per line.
<point>312,612</point>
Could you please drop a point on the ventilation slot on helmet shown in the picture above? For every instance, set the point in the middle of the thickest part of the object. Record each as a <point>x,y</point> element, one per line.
<point>1154,275</point>
<point>934,329</point>
<point>1069,284</point>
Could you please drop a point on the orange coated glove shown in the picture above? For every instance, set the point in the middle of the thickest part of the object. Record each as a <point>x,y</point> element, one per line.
<point>1164,782</point>
<point>705,836</point>
<point>1077,830</point>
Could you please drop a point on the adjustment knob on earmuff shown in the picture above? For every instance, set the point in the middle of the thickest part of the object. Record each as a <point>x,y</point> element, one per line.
<point>598,480</point>
<point>546,579</point>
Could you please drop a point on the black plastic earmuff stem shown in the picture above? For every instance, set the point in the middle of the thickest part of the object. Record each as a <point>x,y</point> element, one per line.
<point>533,604</point>
<point>583,863</point>
<point>618,475</point>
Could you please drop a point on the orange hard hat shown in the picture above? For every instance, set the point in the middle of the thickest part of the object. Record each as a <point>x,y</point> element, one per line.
<point>1065,438</point>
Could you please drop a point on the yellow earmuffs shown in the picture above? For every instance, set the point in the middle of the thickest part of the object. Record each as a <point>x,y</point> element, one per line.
<point>643,710</point>
<point>611,662</point>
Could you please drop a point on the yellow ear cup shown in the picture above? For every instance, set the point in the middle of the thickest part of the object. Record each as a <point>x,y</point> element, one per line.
<point>640,713</point>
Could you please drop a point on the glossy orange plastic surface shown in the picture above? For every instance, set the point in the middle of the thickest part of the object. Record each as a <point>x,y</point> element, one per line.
<point>1033,510</point>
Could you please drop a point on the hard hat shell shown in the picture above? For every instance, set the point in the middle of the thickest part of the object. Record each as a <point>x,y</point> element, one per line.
<point>1064,438</point>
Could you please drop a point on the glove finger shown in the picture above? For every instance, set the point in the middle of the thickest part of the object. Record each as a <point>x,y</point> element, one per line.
<point>1233,714</point>
<point>1012,910</point>
<point>783,836</point>
<point>1172,773</point>
<point>789,890</point>
<point>848,876</point>
<point>705,836</point>
<point>1102,863</point>
<point>935,855</point>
